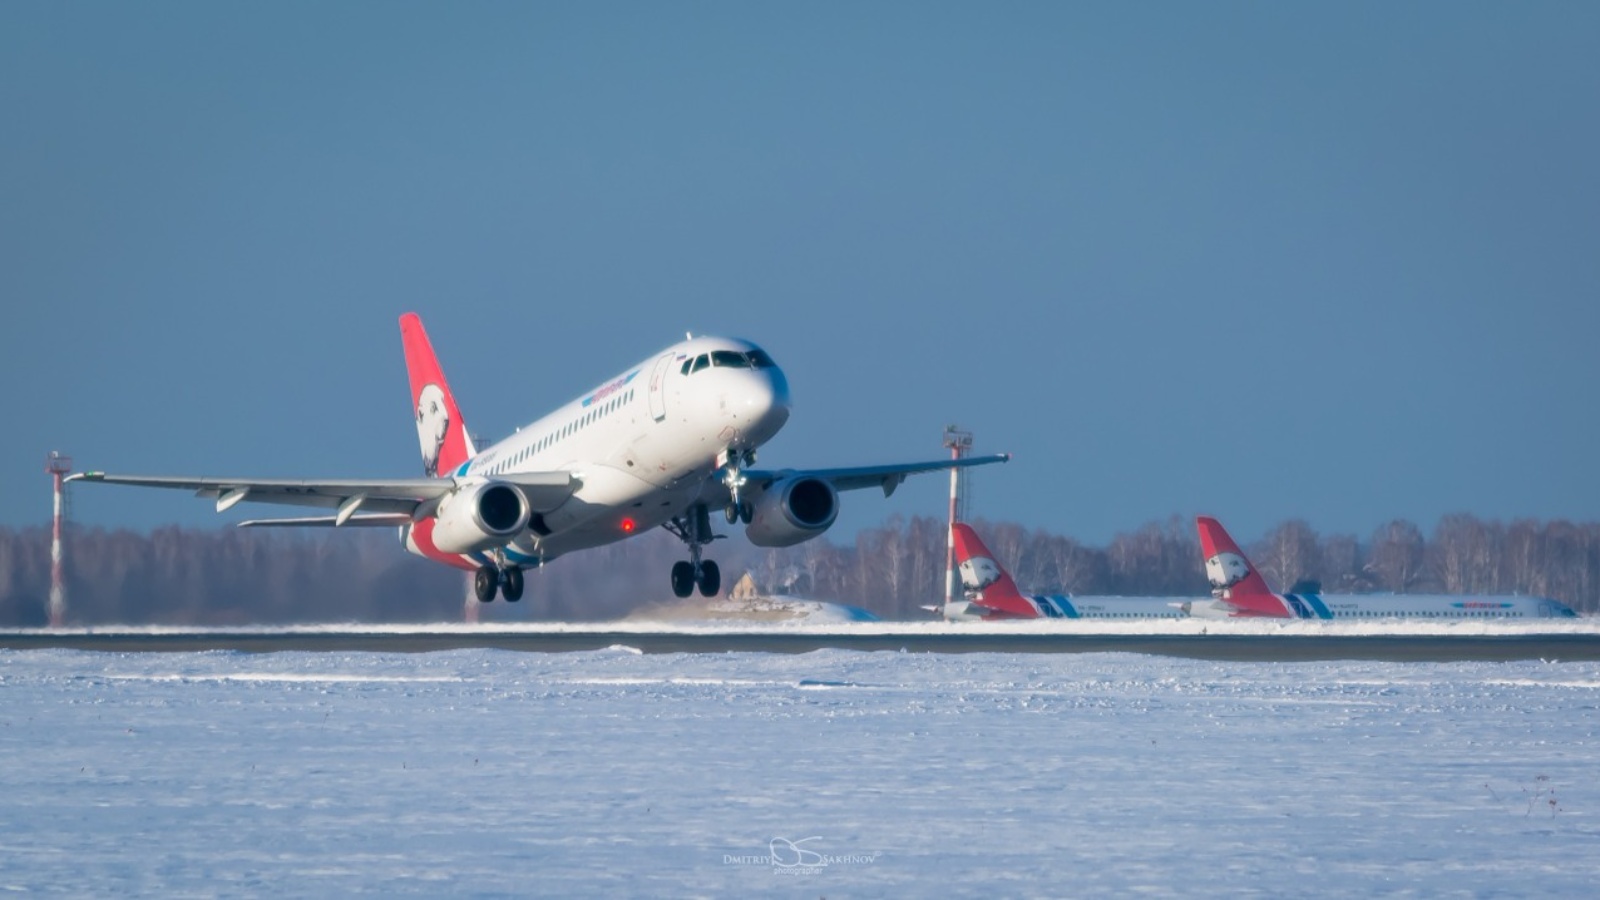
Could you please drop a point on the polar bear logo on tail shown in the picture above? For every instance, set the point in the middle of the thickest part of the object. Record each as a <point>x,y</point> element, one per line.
<point>978,573</point>
<point>1226,570</point>
<point>433,423</point>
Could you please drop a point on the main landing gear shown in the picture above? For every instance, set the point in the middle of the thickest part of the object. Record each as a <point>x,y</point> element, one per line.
<point>687,574</point>
<point>507,581</point>
<point>695,530</point>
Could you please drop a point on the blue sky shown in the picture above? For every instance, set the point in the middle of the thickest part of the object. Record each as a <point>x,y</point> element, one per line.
<point>1331,261</point>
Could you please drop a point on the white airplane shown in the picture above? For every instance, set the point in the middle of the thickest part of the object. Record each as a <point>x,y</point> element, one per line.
<point>1241,592</point>
<point>662,444</point>
<point>990,594</point>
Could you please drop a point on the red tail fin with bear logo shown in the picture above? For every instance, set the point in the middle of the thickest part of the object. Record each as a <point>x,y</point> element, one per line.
<point>441,432</point>
<point>1231,573</point>
<point>985,582</point>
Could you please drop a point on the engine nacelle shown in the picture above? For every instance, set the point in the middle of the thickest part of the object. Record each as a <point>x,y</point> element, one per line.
<point>480,517</point>
<point>790,511</point>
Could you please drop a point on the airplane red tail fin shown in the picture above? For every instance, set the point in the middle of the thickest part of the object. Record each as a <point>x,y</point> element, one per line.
<point>1231,573</point>
<point>983,580</point>
<point>441,432</point>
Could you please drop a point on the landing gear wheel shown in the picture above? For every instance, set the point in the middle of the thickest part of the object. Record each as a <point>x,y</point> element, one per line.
<point>682,578</point>
<point>710,579</point>
<point>746,512</point>
<point>484,583</point>
<point>731,513</point>
<point>693,527</point>
<point>511,585</point>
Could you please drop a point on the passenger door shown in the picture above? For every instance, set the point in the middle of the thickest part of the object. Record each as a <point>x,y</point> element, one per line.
<point>658,388</point>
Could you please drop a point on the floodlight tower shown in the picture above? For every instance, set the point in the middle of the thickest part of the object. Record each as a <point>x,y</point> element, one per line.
<point>58,466</point>
<point>959,443</point>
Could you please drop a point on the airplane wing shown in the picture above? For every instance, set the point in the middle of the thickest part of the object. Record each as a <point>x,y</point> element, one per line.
<point>888,477</point>
<point>408,497</point>
<point>368,520</point>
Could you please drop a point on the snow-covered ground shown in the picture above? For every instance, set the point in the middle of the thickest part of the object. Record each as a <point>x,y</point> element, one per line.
<point>756,610</point>
<point>610,773</point>
<point>827,619</point>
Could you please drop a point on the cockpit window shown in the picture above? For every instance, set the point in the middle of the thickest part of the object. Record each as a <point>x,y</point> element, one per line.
<point>729,359</point>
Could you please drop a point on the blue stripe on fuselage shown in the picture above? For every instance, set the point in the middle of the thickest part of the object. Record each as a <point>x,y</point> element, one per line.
<point>1321,608</point>
<point>522,559</point>
<point>1317,606</point>
<point>1057,607</point>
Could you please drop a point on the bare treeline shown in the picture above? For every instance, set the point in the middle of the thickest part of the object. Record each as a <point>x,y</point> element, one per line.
<point>233,576</point>
<point>1465,555</point>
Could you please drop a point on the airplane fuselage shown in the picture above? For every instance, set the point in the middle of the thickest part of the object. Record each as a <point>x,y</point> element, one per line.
<point>640,446</point>
<point>1058,606</point>
<point>1376,607</point>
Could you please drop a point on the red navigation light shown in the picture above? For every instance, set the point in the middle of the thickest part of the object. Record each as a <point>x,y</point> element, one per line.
<point>627,525</point>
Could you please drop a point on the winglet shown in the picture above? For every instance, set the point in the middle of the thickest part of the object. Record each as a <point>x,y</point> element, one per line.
<point>985,581</point>
<point>1232,576</point>
<point>441,432</point>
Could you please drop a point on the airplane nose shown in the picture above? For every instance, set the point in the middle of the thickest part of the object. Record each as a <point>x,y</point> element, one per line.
<point>766,404</point>
<point>780,392</point>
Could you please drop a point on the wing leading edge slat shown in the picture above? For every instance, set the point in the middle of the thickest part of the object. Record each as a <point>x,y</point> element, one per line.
<point>888,477</point>
<point>407,497</point>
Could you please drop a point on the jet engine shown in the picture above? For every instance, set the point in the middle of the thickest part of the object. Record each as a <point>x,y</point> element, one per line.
<point>480,517</point>
<point>790,511</point>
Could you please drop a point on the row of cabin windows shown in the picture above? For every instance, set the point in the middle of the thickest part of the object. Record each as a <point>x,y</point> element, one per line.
<point>1428,615</point>
<point>1052,611</point>
<point>728,359</point>
<point>549,440</point>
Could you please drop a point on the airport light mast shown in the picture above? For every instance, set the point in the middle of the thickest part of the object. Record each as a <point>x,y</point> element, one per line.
<point>58,466</point>
<point>959,443</point>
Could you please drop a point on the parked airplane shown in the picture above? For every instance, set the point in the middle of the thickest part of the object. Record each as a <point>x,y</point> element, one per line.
<point>1241,592</point>
<point>636,452</point>
<point>991,594</point>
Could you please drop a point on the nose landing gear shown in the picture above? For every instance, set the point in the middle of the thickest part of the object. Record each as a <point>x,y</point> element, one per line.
<point>734,462</point>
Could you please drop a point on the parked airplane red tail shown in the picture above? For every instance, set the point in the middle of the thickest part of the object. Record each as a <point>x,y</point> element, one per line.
<point>985,582</point>
<point>1232,574</point>
<point>441,432</point>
